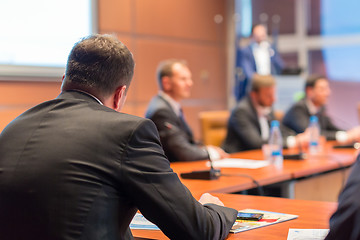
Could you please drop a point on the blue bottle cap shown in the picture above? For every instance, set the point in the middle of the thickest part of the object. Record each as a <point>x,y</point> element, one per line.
<point>275,123</point>
<point>313,118</point>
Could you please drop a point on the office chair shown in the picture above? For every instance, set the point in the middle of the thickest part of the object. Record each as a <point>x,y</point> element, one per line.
<point>213,126</point>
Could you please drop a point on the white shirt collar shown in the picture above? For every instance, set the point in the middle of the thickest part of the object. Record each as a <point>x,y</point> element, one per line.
<point>262,111</point>
<point>89,94</point>
<point>311,107</point>
<point>174,104</point>
<point>262,54</point>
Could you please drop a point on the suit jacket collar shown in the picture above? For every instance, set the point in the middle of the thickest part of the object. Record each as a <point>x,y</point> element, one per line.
<point>180,121</point>
<point>254,113</point>
<point>79,95</point>
<point>175,106</point>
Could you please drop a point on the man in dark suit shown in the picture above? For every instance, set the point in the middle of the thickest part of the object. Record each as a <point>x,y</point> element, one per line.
<point>317,92</point>
<point>249,122</point>
<point>174,79</point>
<point>76,168</point>
<point>344,223</point>
<point>258,57</point>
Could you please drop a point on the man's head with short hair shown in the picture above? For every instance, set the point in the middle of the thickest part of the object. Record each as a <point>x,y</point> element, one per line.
<point>263,90</point>
<point>312,79</point>
<point>261,81</point>
<point>317,89</point>
<point>99,64</point>
<point>174,78</point>
<point>165,69</point>
<point>259,33</point>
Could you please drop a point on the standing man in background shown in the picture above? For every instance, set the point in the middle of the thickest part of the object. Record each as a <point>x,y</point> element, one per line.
<point>76,168</point>
<point>259,57</point>
<point>175,82</point>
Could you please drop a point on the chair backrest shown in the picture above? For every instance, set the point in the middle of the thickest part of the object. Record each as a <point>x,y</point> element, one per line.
<point>213,126</point>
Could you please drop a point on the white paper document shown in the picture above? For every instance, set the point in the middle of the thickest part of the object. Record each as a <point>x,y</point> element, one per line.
<point>140,222</point>
<point>269,218</point>
<point>307,234</point>
<point>239,163</point>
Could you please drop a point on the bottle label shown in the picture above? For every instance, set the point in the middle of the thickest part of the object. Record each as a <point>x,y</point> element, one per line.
<point>276,153</point>
<point>313,143</point>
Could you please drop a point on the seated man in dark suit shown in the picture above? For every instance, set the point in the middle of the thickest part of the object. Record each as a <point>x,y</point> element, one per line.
<point>174,79</point>
<point>344,223</point>
<point>76,168</point>
<point>317,92</point>
<point>249,122</point>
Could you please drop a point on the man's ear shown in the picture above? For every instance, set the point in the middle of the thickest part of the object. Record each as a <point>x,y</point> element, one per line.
<point>119,98</point>
<point>166,83</point>
<point>309,92</point>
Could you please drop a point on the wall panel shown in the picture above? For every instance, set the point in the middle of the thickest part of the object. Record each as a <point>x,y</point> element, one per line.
<point>180,19</point>
<point>153,31</point>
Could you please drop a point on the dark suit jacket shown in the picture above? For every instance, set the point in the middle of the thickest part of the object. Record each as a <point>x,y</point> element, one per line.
<point>243,131</point>
<point>344,223</point>
<point>297,118</point>
<point>71,168</point>
<point>175,135</point>
<point>247,64</point>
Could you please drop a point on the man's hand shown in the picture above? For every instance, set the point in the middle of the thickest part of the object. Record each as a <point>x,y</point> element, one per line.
<point>208,198</point>
<point>303,139</point>
<point>353,135</point>
<point>216,153</point>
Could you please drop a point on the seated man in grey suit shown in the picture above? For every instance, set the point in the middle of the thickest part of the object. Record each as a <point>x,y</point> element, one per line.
<point>76,168</point>
<point>174,79</point>
<point>249,122</point>
<point>317,92</point>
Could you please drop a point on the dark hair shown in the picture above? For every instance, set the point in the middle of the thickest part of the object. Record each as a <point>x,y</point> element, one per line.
<point>312,79</point>
<point>261,81</point>
<point>165,69</point>
<point>100,62</point>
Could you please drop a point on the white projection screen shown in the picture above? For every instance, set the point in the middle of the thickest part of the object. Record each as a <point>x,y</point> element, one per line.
<point>36,36</point>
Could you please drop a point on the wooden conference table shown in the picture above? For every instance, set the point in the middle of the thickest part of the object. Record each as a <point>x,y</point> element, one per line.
<point>315,171</point>
<point>312,215</point>
<point>320,177</point>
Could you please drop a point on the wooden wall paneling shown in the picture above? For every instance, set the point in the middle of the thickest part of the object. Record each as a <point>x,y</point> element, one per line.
<point>205,62</point>
<point>153,31</point>
<point>182,19</point>
<point>114,15</point>
<point>28,92</point>
<point>17,97</point>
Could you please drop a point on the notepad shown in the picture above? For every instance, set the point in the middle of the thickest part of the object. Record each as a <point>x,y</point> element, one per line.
<point>269,218</point>
<point>304,234</point>
<point>140,222</point>
<point>239,163</point>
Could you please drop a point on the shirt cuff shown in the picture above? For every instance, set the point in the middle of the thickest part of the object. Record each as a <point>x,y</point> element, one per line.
<point>341,136</point>
<point>291,141</point>
<point>213,154</point>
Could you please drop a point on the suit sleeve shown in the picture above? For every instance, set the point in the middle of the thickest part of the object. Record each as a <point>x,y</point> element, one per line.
<point>296,119</point>
<point>330,129</point>
<point>160,196</point>
<point>344,223</point>
<point>246,129</point>
<point>247,63</point>
<point>277,62</point>
<point>175,141</point>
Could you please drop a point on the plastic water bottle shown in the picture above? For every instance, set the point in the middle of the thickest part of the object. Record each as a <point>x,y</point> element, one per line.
<point>275,145</point>
<point>314,135</point>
